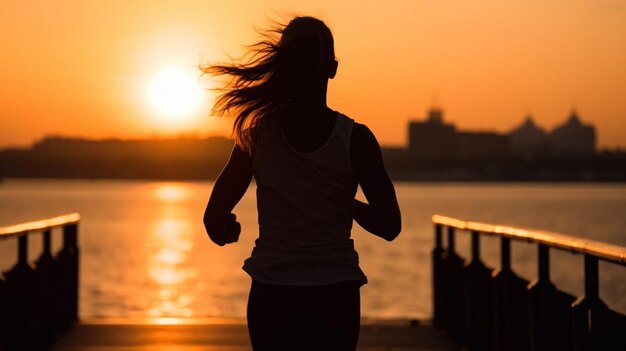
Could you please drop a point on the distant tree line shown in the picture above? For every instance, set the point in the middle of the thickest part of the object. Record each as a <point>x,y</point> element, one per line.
<point>57,157</point>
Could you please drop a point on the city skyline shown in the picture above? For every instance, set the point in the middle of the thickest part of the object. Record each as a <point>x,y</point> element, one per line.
<point>437,151</point>
<point>190,135</point>
<point>130,70</point>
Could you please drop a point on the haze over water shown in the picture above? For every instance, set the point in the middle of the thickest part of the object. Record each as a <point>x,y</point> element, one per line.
<point>144,252</point>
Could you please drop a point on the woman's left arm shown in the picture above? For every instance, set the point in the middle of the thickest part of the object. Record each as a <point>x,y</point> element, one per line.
<point>221,225</point>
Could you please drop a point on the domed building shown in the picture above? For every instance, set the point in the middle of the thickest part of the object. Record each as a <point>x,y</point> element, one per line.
<point>573,138</point>
<point>528,141</point>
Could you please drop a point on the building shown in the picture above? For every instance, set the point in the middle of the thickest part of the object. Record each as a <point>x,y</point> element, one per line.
<point>528,141</point>
<point>434,140</point>
<point>573,139</point>
<point>481,146</point>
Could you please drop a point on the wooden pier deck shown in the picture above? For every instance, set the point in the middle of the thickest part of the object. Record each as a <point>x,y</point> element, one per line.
<point>229,335</point>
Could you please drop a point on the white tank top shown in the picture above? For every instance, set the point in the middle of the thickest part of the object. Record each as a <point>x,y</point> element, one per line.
<point>305,207</point>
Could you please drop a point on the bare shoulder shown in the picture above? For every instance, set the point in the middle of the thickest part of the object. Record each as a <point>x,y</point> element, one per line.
<point>363,139</point>
<point>365,153</point>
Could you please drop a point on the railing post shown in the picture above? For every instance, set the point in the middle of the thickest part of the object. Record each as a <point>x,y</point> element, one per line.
<point>505,254</point>
<point>475,246</point>
<point>438,279</point>
<point>438,236</point>
<point>68,257</point>
<point>549,312</point>
<point>502,299</point>
<point>543,263</point>
<point>454,291</point>
<point>70,240</point>
<point>22,250</point>
<point>510,305</point>
<point>47,243</point>
<point>19,295</point>
<point>478,300</point>
<point>585,309</point>
<point>592,287</point>
<point>47,293</point>
<point>451,244</point>
<point>592,298</point>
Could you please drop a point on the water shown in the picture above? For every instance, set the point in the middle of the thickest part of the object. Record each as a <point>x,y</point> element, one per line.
<point>144,252</point>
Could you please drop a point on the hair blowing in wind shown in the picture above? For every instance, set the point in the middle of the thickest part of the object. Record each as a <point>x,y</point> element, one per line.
<point>289,63</point>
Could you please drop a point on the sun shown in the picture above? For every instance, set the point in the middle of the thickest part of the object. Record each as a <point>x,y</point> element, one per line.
<point>174,94</point>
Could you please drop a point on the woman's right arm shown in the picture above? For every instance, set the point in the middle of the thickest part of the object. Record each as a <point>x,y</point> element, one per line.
<point>381,214</point>
<point>221,225</point>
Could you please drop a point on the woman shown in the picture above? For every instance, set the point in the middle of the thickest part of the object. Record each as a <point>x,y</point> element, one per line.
<point>307,161</point>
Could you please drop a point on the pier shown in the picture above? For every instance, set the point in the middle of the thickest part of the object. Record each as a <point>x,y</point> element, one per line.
<point>39,299</point>
<point>475,307</point>
<point>485,308</point>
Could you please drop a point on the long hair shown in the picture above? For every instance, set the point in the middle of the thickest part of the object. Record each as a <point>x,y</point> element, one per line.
<point>290,62</point>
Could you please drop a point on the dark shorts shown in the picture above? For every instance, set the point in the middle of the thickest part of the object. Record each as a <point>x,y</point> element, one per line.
<point>304,317</point>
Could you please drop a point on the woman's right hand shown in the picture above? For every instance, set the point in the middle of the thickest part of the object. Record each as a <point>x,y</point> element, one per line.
<point>220,223</point>
<point>230,230</point>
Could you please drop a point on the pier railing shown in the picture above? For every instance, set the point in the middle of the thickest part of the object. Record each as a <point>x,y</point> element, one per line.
<point>39,298</point>
<point>487,309</point>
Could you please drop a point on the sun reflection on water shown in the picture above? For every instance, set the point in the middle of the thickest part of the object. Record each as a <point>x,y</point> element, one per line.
<point>171,192</point>
<point>169,270</point>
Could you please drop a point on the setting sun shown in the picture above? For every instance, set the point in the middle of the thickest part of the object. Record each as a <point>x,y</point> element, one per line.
<point>174,94</point>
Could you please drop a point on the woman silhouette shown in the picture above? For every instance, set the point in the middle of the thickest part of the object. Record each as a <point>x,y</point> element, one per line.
<point>307,161</point>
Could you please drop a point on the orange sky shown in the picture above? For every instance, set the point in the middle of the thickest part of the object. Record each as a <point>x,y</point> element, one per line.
<point>80,68</point>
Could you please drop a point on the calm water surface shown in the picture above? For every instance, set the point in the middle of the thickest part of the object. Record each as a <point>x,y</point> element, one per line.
<point>144,252</point>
